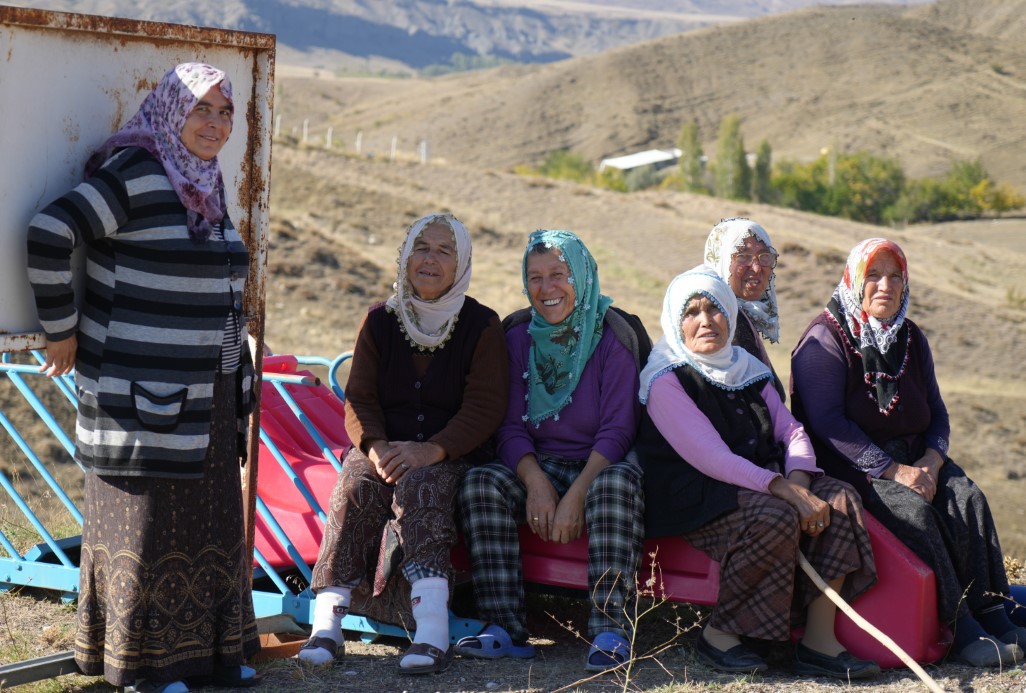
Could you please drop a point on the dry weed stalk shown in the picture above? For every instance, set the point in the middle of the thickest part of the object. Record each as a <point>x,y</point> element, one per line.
<point>644,603</point>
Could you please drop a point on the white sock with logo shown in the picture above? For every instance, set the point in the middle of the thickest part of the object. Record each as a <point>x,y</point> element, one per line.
<point>430,600</point>
<point>331,605</point>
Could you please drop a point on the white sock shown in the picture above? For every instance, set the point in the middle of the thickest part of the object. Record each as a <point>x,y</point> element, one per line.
<point>331,605</point>
<point>430,600</point>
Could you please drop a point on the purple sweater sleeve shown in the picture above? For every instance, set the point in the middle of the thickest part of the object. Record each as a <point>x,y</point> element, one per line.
<point>690,433</point>
<point>939,432</point>
<point>603,415</point>
<point>820,373</point>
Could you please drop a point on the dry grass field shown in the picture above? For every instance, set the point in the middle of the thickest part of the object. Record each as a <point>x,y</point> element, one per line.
<point>917,83</point>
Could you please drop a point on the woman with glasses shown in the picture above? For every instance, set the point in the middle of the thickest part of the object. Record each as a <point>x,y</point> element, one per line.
<point>739,250</point>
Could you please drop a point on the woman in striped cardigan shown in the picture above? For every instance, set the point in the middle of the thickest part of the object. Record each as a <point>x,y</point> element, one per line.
<point>164,381</point>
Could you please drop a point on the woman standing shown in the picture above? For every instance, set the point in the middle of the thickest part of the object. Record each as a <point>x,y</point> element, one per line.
<point>865,386</point>
<point>740,251</point>
<point>164,379</point>
<point>427,388</point>
<point>728,468</point>
<point>564,467</point>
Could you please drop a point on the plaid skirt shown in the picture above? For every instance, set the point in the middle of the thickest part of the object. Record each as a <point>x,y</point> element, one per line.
<point>763,591</point>
<point>165,582</point>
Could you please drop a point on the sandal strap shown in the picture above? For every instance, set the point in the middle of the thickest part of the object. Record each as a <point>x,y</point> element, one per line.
<point>321,643</point>
<point>426,650</point>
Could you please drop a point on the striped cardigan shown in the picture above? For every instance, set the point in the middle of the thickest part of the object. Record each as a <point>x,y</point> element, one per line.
<point>152,319</point>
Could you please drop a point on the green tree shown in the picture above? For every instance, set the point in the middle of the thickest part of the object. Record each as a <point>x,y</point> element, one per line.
<point>567,165</point>
<point>864,187</point>
<point>732,175</point>
<point>762,188</point>
<point>692,172</point>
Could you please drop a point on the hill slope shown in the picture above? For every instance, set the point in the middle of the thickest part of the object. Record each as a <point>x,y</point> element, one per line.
<point>882,78</point>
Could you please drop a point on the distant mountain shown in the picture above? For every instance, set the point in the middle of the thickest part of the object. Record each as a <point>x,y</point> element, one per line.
<point>396,35</point>
<point>926,87</point>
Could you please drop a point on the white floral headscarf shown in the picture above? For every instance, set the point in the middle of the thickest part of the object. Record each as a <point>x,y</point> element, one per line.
<point>730,368</point>
<point>428,324</point>
<point>725,239</point>
<point>157,128</point>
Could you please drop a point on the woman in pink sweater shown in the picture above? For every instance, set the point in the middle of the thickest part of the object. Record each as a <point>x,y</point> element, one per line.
<point>728,468</point>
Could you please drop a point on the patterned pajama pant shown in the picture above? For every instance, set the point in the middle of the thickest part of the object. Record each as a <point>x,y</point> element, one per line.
<point>371,522</point>
<point>493,500</point>
<point>762,589</point>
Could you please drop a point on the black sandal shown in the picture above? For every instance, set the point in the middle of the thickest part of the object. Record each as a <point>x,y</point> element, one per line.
<point>440,660</point>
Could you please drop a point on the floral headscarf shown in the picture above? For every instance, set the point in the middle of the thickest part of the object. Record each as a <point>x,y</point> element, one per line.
<point>428,324</point>
<point>560,352</point>
<point>730,368</point>
<point>883,346</point>
<point>157,127</point>
<point>727,238</point>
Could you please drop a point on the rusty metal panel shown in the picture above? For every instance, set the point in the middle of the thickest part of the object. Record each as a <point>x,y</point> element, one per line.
<point>67,81</point>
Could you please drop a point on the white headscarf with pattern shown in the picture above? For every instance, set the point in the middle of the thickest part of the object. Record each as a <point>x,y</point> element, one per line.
<point>730,368</point>
<point>727,238</point>
<point>428,324</point>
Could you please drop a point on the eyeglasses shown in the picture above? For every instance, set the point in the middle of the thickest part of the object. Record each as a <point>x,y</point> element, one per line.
<point>764,259</point>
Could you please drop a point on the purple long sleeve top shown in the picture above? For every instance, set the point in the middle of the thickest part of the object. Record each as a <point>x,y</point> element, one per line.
<point>690,433</point>
<point>602,416</point>
<point>828,379</point>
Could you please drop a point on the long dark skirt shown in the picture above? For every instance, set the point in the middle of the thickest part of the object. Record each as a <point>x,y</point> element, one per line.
<point>375,529</point>
<point>164,587</point>
<point>955,535</point>
<point>763,592</point>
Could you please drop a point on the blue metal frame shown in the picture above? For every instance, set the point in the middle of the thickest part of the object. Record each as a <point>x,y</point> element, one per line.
<point>48,566</point>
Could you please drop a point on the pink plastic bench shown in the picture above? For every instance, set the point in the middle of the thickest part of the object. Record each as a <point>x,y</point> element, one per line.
<point>902,603</point>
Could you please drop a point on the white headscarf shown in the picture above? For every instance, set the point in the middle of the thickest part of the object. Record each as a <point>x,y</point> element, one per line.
<point>730,368</point>
<point>725,239</point>
<point>428,324</point>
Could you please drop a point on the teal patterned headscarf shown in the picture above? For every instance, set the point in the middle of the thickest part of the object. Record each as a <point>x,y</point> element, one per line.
<point>560,352</point>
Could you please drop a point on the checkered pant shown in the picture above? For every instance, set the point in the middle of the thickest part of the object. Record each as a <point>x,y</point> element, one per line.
<point>492,503</point>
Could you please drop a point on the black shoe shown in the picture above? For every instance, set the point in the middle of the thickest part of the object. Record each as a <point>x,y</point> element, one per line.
<point>808,662</point>
<point>737,660</point>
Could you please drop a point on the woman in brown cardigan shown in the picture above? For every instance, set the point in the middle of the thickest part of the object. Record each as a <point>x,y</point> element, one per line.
<point>427,388</point>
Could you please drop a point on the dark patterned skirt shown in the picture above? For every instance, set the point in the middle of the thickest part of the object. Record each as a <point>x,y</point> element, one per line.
<point>375,529</point>
<point>763,591</point>
<point>165,583</point>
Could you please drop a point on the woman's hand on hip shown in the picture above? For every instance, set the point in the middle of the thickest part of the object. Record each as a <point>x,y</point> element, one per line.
<point>569,520</point>
<point>60,356</point>
<point>813,512</point>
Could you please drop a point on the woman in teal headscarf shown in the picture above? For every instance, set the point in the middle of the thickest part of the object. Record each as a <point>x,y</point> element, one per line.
<point>563,449</point>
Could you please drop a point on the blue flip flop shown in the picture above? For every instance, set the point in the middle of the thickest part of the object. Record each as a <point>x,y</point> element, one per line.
<point>493,643</point>
<point>608,651</point>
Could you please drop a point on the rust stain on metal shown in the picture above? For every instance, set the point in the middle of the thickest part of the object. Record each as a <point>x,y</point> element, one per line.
<point>21,342</point>
<point>159,33</point>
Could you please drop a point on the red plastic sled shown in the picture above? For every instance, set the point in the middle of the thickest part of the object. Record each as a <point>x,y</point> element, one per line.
<point>902,603</point>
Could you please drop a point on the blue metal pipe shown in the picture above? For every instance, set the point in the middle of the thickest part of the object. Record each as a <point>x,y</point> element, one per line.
<point>41,468</point>
<point>291,473</point>
<point>31,517</point>
<point>326,452</point>
<point>283,539</point>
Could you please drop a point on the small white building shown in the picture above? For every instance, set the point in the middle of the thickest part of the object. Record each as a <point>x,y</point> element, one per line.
<point>656,158</point>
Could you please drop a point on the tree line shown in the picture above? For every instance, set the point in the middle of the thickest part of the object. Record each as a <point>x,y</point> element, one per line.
<point>860,185</point>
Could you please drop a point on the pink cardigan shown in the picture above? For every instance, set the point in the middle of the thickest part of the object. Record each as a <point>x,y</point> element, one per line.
<point>693,437</point>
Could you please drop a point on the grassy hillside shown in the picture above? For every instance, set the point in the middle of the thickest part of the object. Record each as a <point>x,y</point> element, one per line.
<point>916,84</point>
